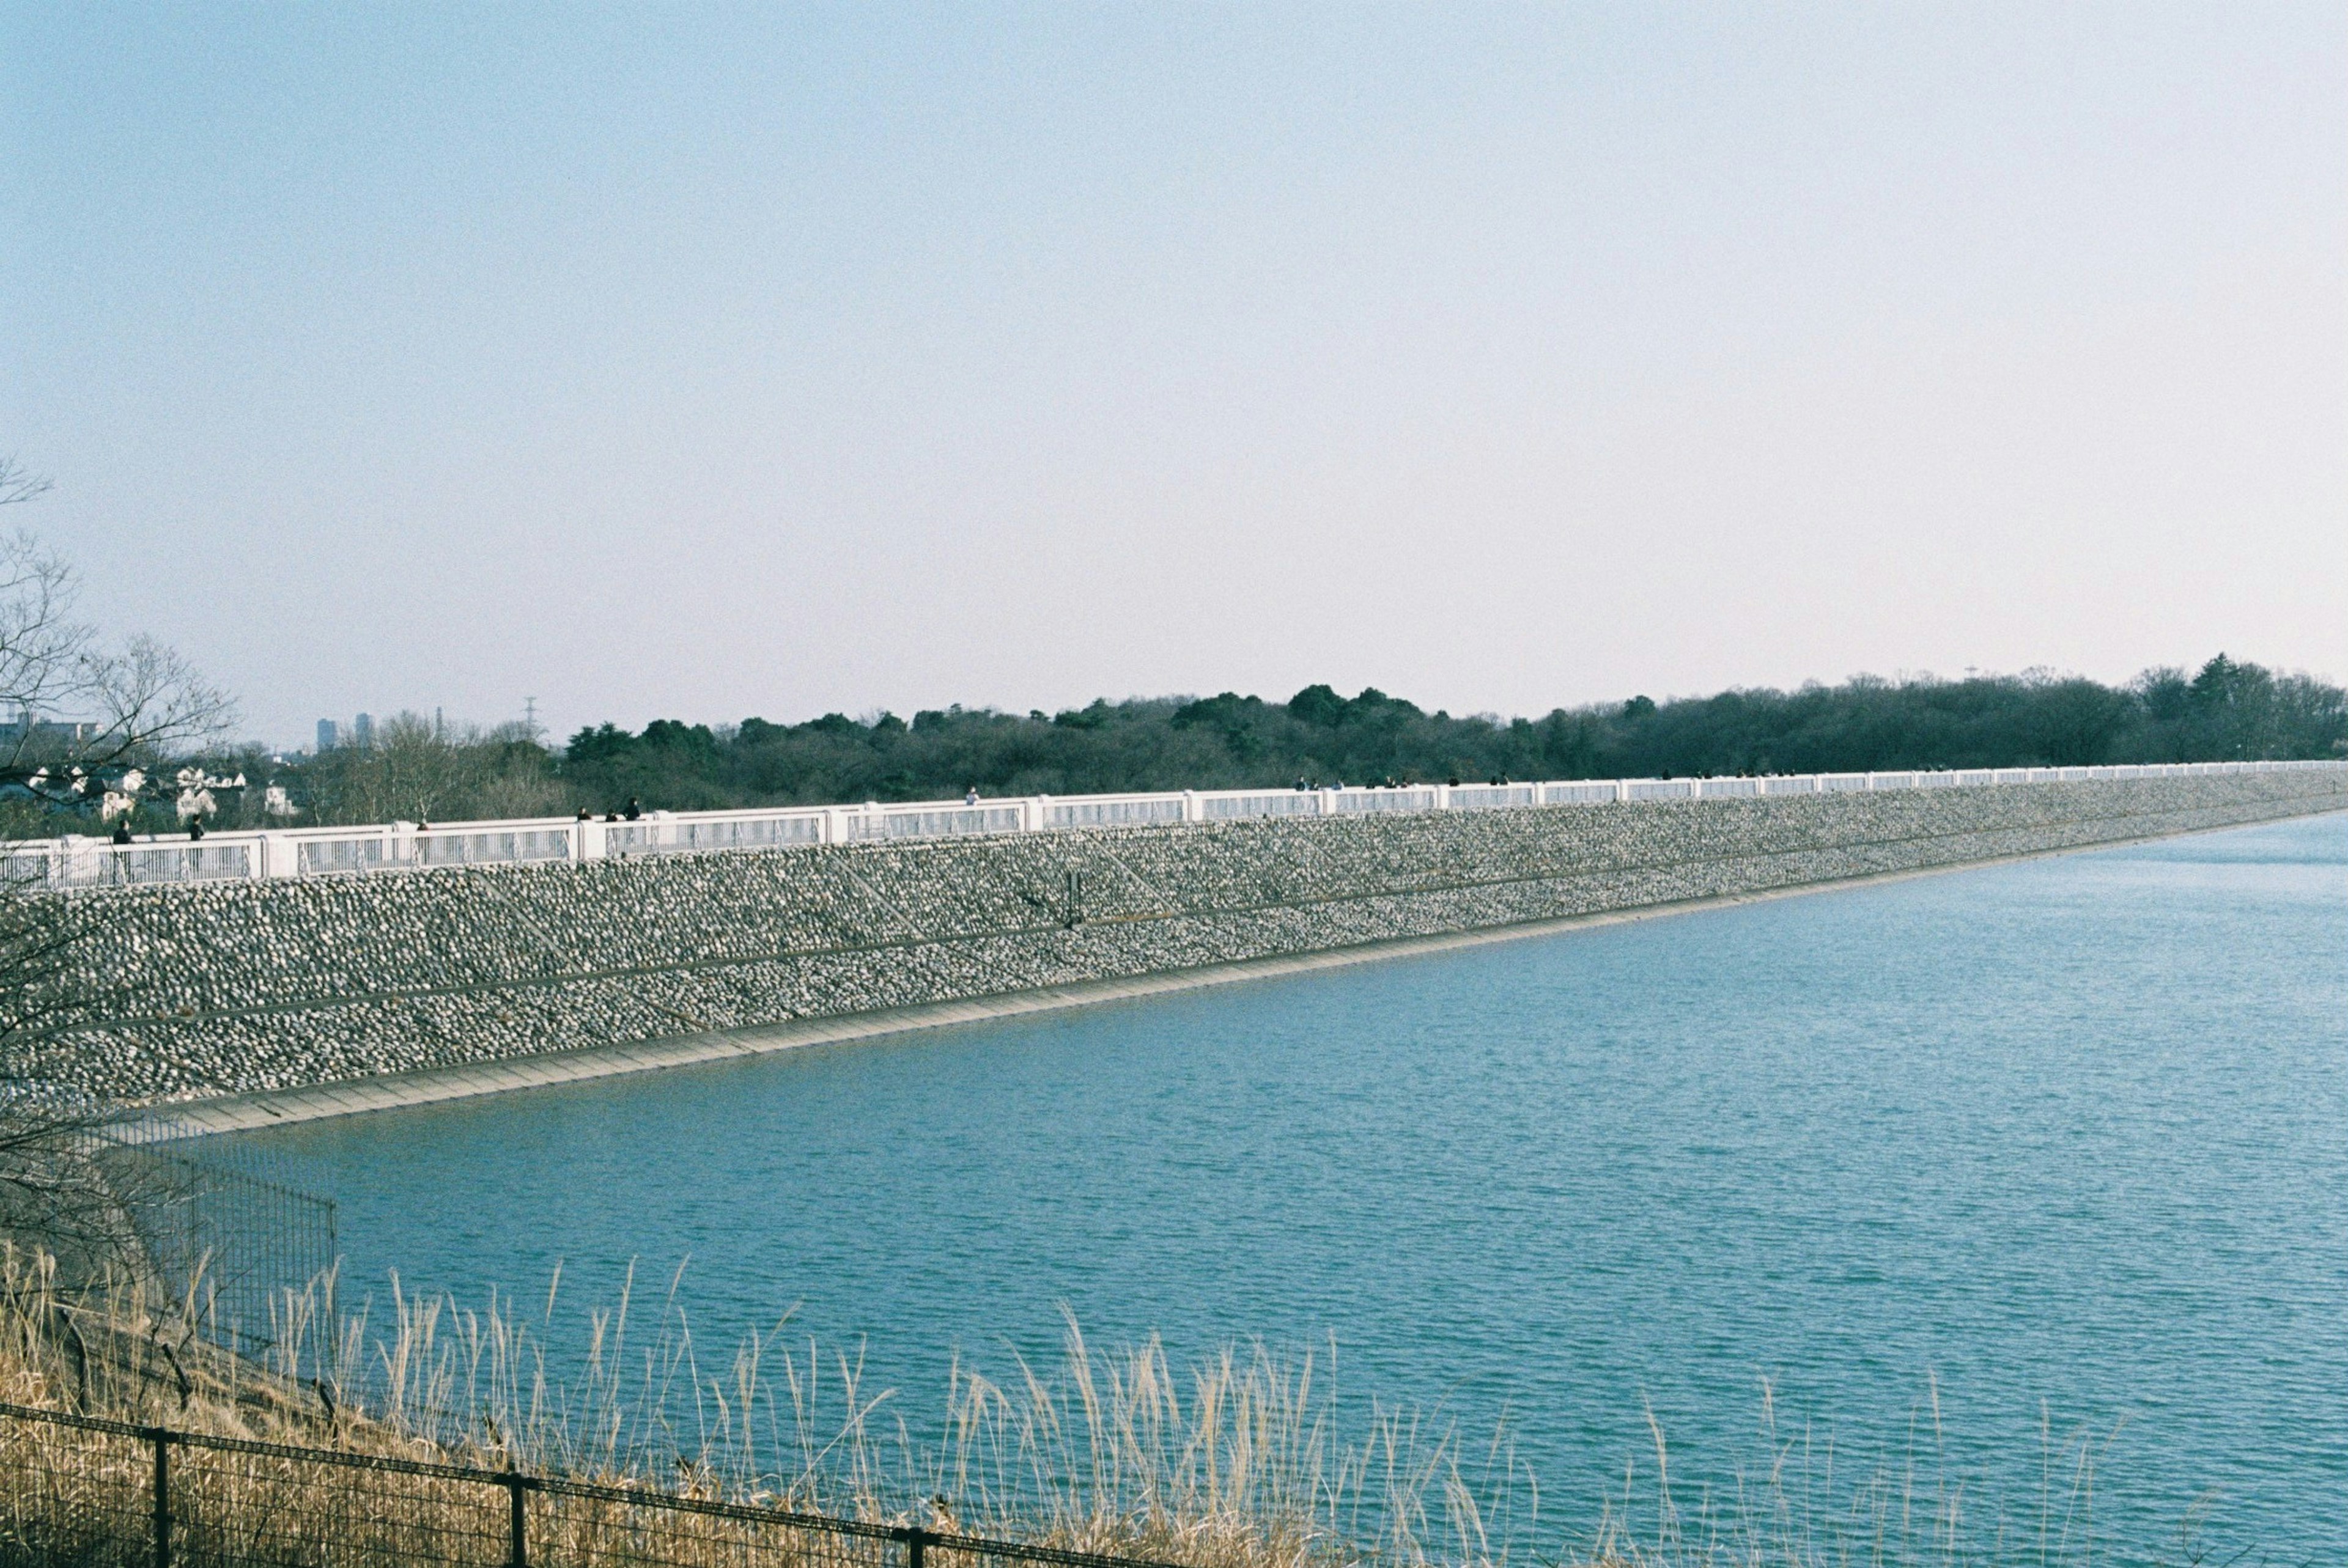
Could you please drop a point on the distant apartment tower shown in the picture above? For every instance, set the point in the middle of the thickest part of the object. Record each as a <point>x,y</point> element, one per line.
<point>330,734</point>
<point>363,731</point>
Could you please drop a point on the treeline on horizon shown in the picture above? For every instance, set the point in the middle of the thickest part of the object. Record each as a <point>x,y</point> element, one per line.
<point>2228,710</point>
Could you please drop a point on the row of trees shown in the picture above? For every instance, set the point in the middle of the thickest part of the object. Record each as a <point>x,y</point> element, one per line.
<point>2226,709</point>
<point>139,714</point>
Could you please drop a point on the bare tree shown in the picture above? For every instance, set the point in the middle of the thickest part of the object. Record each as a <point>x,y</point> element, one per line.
<point>83,707</point>
<point>414,770</point>
<point>114,706</point>
<point>15,484</point>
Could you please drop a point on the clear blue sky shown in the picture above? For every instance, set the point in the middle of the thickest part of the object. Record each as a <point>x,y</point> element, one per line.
<point>704,363</point>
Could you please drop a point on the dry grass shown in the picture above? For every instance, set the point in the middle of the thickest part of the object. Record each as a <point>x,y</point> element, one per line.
<point>1242,1461</point>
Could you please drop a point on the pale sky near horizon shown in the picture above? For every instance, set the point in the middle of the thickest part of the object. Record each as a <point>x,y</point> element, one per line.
<point>704,362</point>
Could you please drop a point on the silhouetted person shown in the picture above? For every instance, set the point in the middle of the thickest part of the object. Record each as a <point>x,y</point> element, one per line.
<point>586,815</point>
<point>122,831</point>
<point>196,825</point>
<point>972,798</point>
<point>634,810</point>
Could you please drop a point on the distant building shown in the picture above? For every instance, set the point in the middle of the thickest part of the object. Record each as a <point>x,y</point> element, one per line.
<point>26,726</point>
<point>363,731</point>
<point>330,734</point>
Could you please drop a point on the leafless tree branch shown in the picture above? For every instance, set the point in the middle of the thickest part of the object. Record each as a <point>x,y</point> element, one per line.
<point>80,707</point>
<point>17,485</point>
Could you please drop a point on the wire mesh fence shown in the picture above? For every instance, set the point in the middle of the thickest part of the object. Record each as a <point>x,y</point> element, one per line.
<point>228,1232</point>
<point>79,1490</point>
<point>86,1500</point>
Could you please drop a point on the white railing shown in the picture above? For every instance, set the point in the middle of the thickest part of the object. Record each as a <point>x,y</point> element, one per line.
<point>77,862</point>
<point>660,834</point>
<point>1491,798</point>
<point>1226,806</point>
<point>490,846</point>
<point>1354,802</point>
<point>1111,810</point>
<point>92,862</point>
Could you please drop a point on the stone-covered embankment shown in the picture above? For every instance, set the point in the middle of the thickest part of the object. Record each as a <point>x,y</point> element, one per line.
<point>228,988</point>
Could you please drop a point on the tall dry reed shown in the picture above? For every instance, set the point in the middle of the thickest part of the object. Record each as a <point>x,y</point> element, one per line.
<point>1245,1458</point>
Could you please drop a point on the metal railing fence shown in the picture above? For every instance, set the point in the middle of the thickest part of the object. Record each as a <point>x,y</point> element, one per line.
<point>77,1489</point>
<point>77,862</point>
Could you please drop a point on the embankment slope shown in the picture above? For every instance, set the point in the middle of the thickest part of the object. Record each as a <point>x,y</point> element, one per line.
<point>232,988</point>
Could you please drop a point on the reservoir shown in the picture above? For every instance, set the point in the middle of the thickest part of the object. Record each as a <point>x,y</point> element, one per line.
<point>2065,1139</point>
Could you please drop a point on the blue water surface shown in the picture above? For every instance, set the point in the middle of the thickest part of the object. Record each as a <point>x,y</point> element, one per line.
<point>2066,1137</point>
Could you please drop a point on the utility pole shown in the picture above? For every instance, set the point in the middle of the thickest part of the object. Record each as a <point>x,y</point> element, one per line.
<point>529,717</point>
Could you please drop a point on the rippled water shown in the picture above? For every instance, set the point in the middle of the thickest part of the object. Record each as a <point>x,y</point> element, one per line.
<point>2067,1135</point>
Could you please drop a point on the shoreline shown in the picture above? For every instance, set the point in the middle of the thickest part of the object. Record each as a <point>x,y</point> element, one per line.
<point>429,1086</point>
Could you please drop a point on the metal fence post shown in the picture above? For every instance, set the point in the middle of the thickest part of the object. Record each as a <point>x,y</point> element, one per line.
<point>915,1539</point>
<point>162,1441</point>
<point>518,1548</point>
